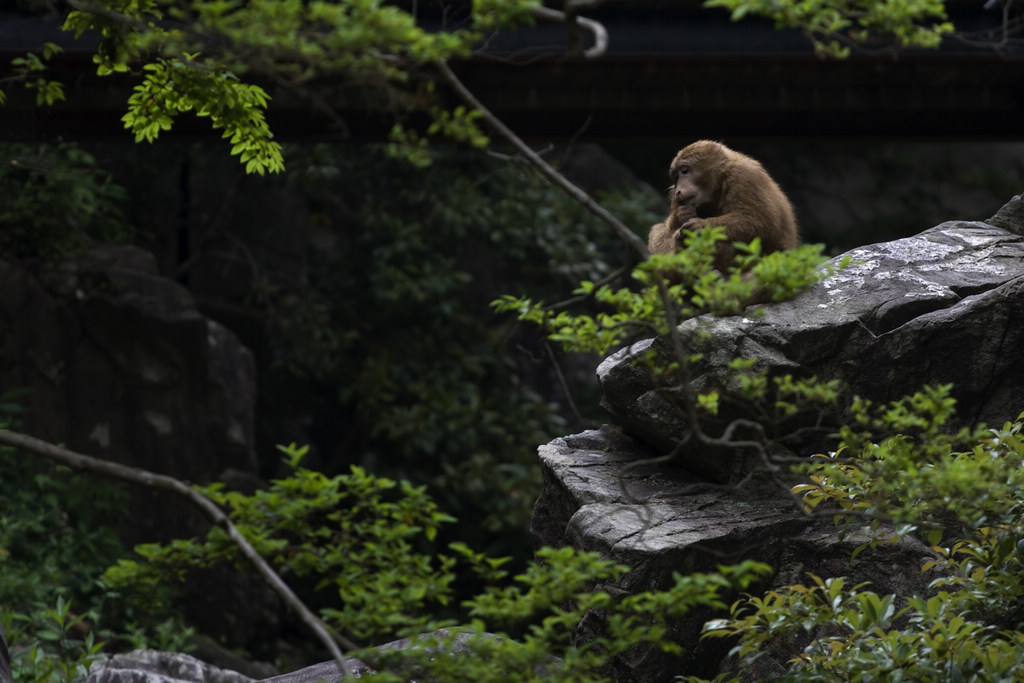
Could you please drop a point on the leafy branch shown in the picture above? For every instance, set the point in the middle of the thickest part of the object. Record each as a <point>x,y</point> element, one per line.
<point>743,410</point>
<point>173,86</point>
<point>132,475</point>
<point>29,71</point>
<point>835,27</point>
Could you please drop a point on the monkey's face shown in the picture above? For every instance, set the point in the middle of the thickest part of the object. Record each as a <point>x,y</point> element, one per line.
<point>687,189</point>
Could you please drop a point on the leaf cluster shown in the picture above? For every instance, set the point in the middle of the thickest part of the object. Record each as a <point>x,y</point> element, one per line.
<point>670,288</point>
<point>45,647</point>
<point>960,490</point>
<point>172,86</point>
<point>835,27</point>
<point>548,602</point>
<point>902,462</point>
<point>30,71</point>
<point>853,638</point>
<point>354,534</point>
<point>194,54</point>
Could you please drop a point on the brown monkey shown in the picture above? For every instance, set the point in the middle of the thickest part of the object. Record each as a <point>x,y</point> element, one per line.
<point>714,185</point>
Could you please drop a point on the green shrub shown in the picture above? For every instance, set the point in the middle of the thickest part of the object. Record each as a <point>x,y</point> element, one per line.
<point>389,322</point>
<point>53,198</point>
<point>967,502</point>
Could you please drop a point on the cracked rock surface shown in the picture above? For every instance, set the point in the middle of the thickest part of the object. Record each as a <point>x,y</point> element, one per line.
<point>944,306</point>
<point>660,521</point>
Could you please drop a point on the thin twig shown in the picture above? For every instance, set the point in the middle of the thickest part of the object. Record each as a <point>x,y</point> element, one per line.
<point>133,475</point>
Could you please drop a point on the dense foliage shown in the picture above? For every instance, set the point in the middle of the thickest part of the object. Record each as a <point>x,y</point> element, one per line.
<point>962,493</point>
<point>57,535</point>
<point>56,198</point>
<point>195,53</point>
<point>836,27</point>
<point>358,539</point>
<point>364,325</point>
<point>389,325</point>
<point>897,470</point>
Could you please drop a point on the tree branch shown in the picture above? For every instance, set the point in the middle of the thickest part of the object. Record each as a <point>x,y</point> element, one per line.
<point>596,28</point>
<point>88,8</point>
<point>546,169</point>
<point>132,475</point>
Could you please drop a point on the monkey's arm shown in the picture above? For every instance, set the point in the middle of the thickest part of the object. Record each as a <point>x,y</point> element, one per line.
<point>667,237</point>
<point>739,227</point>
<point>663,239</point>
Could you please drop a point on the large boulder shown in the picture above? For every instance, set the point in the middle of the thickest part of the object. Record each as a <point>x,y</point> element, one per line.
<point>119,364</point>
<point>944,306</point>
<point>941,307</point>
<point>601,493</point>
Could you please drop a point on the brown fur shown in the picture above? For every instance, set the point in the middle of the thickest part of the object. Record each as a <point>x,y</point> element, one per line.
<point>714,185</point>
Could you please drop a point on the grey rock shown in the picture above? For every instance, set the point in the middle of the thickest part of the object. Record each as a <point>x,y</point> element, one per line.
<point>152,666</point>
<point>602,493</point>
<point>941,307</point>
<point>1010,216</point>
<point>121,365</point>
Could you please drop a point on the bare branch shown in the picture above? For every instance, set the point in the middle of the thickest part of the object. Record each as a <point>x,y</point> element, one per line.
<point>113,470</point>
<point>546,169</point>
<point>88,8</point>
<point>596,28</point>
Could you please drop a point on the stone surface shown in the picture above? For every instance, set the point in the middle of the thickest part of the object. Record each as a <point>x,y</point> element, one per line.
<point>152,666</point>
<point>941,307</point>
<point>601,493</point>
<point>119,364</point>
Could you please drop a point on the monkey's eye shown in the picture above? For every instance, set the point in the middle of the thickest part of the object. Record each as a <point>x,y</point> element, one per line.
<point>684,169</point>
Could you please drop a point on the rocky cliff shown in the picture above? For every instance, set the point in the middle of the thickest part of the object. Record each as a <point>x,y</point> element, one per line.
<point>940,307</point>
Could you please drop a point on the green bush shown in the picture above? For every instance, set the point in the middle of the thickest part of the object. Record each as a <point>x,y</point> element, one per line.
<point>53,198</point>
<point>57,535</point>
<point>369,545</point>
<point>56,532</point>
<point>962,492</point>
<point>389,322</point>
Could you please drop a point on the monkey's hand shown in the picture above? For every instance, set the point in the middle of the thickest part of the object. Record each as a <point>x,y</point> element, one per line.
<point>694,224</point>
<point>683,213</point>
